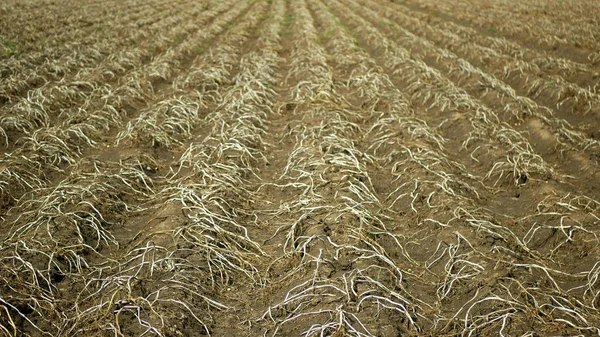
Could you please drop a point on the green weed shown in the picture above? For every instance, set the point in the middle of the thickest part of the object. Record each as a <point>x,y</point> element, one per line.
<point>10,46</point>
<point>288,20</point>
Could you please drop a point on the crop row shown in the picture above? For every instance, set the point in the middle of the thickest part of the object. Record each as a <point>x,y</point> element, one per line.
<point>86,109</point>
<point>544,32</point>
<point>503,66</point>
<point>338,224</point>
<point>70,51</point>
<point>306,167</point>
<point>110,291</point>
<point>572,71</point>
<point>500,96</point>
<point>471,264</point>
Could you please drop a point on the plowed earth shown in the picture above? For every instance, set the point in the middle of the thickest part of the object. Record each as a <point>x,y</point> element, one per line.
<point>299,168</point>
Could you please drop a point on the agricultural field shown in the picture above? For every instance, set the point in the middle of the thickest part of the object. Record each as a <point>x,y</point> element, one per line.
<point>299,168</point>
